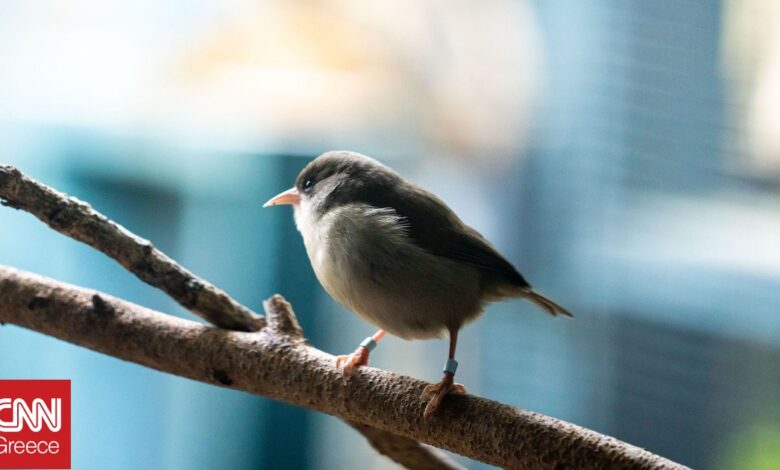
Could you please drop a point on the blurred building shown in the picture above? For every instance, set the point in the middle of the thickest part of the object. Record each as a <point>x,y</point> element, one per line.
<point>623,156</point>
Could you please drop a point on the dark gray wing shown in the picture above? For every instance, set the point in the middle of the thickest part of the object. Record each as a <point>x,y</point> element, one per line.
<point>433,226</point>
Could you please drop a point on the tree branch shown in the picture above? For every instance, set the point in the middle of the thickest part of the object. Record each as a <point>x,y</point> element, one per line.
<point>80,221</point>
<point>277,362</point>
<point>276,366</point>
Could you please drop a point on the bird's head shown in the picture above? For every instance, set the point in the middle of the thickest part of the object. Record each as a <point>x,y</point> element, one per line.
<point>334,179</point>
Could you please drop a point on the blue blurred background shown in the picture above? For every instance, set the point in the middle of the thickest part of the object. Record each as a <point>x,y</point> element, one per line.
<point>624,155</point>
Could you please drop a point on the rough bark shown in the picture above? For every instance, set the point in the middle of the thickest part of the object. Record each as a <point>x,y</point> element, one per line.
<point>286,368</point>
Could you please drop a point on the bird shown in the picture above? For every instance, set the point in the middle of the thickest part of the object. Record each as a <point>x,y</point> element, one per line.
<point>399,257</point>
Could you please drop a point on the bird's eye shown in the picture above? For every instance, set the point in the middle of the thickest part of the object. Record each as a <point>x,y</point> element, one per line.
<point>307,184</point>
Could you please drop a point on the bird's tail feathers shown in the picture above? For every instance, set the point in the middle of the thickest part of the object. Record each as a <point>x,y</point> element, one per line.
<point>548,305</point>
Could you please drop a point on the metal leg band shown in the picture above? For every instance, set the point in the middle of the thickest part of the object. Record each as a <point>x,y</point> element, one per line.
<point>450,366</point>
<point>368,343</point>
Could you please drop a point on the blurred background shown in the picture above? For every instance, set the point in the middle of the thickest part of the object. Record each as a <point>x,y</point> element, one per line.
<point>624,155</point>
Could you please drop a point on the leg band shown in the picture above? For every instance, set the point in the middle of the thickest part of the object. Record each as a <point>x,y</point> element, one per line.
<point>450,366</point>
<point>368,343</point>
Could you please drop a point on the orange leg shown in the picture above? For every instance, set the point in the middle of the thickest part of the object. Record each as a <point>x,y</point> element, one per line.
<point>434,393</point>
<point>350,362</point>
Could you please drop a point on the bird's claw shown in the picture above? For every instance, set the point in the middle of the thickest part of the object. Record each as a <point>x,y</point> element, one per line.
<point>348,363</point>
<point>434,393</point>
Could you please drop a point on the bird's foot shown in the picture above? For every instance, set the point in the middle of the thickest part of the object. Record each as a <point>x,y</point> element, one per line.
<point>434,393</point>
<point>350,362</point>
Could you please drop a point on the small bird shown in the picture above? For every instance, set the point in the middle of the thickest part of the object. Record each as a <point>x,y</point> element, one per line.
<point>396,255</point>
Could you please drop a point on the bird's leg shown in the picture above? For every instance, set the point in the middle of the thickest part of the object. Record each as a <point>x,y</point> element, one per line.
<point>434,393</point>
<point>350,362</point>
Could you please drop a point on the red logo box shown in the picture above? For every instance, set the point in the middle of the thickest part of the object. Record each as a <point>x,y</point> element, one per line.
<point>34,424</point>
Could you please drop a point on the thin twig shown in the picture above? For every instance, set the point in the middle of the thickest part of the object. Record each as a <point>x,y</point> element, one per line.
<point>405,451</point>
<point>80,221</point>
<point>268,364</point>
<point>280,318</point>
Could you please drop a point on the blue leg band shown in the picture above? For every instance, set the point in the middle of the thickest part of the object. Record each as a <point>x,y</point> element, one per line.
<point>450,366</point>
<point>368,343</point>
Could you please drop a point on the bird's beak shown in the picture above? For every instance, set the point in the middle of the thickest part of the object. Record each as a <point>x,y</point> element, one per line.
<point>291,196</point>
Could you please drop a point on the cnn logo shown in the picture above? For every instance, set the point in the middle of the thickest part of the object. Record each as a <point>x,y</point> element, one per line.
<point>34,416</point>
<point>34,424</point>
